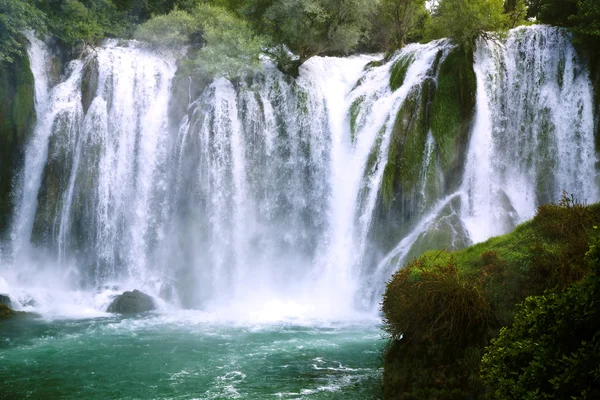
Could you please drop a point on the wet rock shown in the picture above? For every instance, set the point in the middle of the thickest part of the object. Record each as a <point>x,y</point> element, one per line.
<point>5,300</point>
<point>7,312</point>
<point>132,303</point>
<point>89,83</point>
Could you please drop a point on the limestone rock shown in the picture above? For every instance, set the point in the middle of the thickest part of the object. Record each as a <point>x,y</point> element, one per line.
<point>132,303</point>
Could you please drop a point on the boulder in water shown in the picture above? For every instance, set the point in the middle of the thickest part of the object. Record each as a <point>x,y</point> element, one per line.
<point>5,300</point>
<point>132,303</point>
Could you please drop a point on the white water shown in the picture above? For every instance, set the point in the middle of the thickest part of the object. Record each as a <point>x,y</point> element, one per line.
<point>533,136</point>
<point>258,204</point>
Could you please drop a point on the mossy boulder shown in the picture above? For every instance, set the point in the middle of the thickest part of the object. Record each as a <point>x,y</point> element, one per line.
<point>407,145</point>
<point>7,312</point>
<point>442,309</point>
<point>399,70</point>
<point>17,118</point>
<point>452,111</point>
<point>132,303</point>
<point>89,83</point>
<point>5,300</point>
<point>55,179</point>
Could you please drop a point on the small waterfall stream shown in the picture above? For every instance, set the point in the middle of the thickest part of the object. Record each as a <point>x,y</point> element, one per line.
<point>266,193</point>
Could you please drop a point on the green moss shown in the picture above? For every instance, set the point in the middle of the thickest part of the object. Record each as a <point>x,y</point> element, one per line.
<point>355,109</point>
<point>453,106</point>
<point>443,308</point>
<point>17,117</point>
<point>398,71</point>
<point>407,146</point>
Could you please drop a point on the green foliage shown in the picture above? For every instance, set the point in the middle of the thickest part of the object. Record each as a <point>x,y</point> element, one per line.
<point>76,22</point>
<point>174,29</point>
<point>552,348</point>
<point>464,21</point>
<point>587,25</point>
<point>437,322</point>
<point>229,46</point>
<point>312,27</point>
<point>396,22</point>
<point>553,12</point>
<point>16,16</point>
<point>516,12</point>
<point>548,252</point>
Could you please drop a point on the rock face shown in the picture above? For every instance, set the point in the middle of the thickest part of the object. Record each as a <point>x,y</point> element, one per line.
<point>5,300</point>
<point>132,303</point>
<point>5,312</point>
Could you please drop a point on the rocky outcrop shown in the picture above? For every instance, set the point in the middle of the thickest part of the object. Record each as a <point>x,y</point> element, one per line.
<point>5,300</point>
<point>17,117</point>
<point>132,303</point>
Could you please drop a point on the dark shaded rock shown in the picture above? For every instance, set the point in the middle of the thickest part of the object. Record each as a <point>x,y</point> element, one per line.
<point>5,300</point>
<point>132,303</point>
<point>89,83</point>
<point>17,118</point>
<point>7,312</point>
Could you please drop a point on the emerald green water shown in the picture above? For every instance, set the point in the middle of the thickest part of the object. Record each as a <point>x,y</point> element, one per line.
<point>184,357</point>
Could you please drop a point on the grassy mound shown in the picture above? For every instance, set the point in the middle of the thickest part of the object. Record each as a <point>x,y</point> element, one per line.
<point>443,309</point>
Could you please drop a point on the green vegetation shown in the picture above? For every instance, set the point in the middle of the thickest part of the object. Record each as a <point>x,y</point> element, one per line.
<point>464,21</point>
<point>551,349</point>
<point>443,309</point>
<point>227,45</point>
<point>15,16</point>
<point>397,22</point>
<point>453,106</point>
<point>230,33</point>
<point>398,72</point>
<point>407,145</point>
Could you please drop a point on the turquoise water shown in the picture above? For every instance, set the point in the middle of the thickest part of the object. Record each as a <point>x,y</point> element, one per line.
<point>186,357</point>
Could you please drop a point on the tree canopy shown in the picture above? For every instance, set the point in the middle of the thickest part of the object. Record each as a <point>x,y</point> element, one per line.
<point>231,33</point>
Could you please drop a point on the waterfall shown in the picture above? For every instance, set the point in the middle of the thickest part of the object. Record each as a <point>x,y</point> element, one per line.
<point>534,130</point>
<point>289,197</point>
<point>532,138</point>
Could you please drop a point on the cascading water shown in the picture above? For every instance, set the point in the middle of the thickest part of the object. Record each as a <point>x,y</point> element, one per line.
<point>260,196</point>
<point>533,134</point>
<point>532,138</point>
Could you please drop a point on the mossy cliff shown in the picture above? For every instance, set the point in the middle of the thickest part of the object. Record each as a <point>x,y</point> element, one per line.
<point>17,118</point>
<point>442,309</point>
<point>428,143</point>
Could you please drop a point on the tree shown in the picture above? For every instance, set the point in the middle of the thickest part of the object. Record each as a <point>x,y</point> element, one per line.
<point>464,21</point>
<point>516,12</point>
<point>222,43</point>
<point>586,24</point>
<point>396,21</point>
<point>312,27</point>
<point>552,349</point>
<point>16,16</point>
<point>230,45</point>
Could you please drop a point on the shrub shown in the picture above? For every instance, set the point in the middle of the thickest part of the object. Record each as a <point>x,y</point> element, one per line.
<point>552,349</point>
